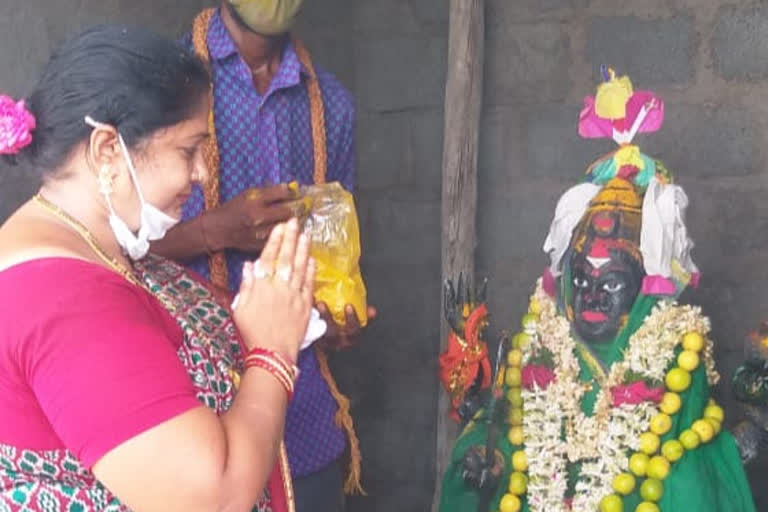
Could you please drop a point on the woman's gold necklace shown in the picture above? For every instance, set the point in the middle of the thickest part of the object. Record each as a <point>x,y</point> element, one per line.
<point>112,262</point>
<point>86,235</point>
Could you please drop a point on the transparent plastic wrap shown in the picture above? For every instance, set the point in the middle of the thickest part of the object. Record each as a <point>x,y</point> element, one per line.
<point>330,220</point>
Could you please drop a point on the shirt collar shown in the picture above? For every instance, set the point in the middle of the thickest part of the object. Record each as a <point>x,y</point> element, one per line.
<point>221,46</point>
<point>289,72</point>
<point>220,43</point>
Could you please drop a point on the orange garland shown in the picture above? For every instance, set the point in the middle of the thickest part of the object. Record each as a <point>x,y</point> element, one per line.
<point>217,260</point>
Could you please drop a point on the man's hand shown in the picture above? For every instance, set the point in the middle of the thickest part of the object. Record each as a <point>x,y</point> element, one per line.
<point>245,221</point>
<point>340,337</point>
<point>241,223</point>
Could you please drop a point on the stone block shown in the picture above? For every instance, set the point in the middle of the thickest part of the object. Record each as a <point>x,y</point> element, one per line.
<point>172,19</point>
<point>332,53</point>
<point>24,40</point>
<point>524,62</point>
<point>551,143</point>
<point>512,229</point>
<point>504,12</point>
<point>401,149</point>
<point>423,174</point>
<point>727,221</point>
<point>507,302</point>
<point>740,43</point>
<point>392,381</point>
<point>29,31</point>
<point>500,160</point>
<point>756,473</point>
<point>411,293</point>
<point>386,18</point>
<point>74,16</point>
<point>397,229</point>
<point>652,52</point>
<point>401,73</point>
<point>707,141</point>
<point>431,13</point>
<point>335,16</point>
<point>382,142</point>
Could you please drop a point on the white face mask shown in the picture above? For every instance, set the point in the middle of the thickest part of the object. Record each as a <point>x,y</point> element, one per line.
<point>153,224</point>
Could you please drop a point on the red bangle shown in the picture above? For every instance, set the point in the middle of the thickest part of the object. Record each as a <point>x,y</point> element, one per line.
<point>285,362</point>
<point>275,364</point>
<point>277,374</point>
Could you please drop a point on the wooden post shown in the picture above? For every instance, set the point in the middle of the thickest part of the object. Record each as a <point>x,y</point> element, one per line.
<point>463,104</point>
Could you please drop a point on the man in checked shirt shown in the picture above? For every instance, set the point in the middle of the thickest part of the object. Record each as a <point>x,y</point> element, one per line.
<point>277,119</point>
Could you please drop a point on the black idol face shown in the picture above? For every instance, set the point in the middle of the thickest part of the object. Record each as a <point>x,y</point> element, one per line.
<point>604,290</point>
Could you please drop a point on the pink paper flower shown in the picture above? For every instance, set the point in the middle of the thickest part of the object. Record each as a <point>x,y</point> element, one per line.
<point>16,125</point>
<point>539,375</point>
<point>636,393</point>
<point>591,126</point>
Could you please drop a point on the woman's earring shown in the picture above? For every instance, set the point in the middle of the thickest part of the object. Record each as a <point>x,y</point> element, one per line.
<point>105,181</point>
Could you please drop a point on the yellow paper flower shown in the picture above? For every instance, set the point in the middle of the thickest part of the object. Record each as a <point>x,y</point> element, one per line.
<point>629,155</point>
<point>612,97</point>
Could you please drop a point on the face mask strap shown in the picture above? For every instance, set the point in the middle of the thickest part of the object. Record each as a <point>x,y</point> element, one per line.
<point>126,154</point>
<point>154,223</point>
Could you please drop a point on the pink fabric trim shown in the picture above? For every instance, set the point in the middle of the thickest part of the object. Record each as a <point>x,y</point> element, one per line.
<point>658,285</point>
<point>695,279</point>
<point>548,282</point>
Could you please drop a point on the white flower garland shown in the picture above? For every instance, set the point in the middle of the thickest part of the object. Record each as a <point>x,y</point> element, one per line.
<point>601,441</point>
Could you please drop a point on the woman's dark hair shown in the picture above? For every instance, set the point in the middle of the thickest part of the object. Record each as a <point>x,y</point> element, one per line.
<point>131,78</point>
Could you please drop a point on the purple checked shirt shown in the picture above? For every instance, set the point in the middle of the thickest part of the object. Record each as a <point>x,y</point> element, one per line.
<point>266,140</point>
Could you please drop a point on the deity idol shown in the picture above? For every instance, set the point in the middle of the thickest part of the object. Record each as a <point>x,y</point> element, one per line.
<point>604,401</point>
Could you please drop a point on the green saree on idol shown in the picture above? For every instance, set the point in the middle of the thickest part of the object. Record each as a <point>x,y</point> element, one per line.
<point>603,401</point>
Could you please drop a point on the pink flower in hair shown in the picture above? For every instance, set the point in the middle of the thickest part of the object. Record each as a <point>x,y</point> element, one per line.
<point>16,125</point>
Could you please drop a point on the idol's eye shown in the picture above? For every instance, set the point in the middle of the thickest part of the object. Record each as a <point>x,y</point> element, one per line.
<point>613,286</point>
<point>580,282</point>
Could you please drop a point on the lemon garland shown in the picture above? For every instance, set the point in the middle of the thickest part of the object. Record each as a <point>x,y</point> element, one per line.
<point>539,416</point>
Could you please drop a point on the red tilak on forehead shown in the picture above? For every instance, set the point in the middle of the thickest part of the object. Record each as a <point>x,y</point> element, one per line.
<point>603,223</point>
<point>601,248</point>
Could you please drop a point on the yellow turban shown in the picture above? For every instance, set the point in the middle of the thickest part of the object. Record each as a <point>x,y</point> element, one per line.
<point>268,17</point>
